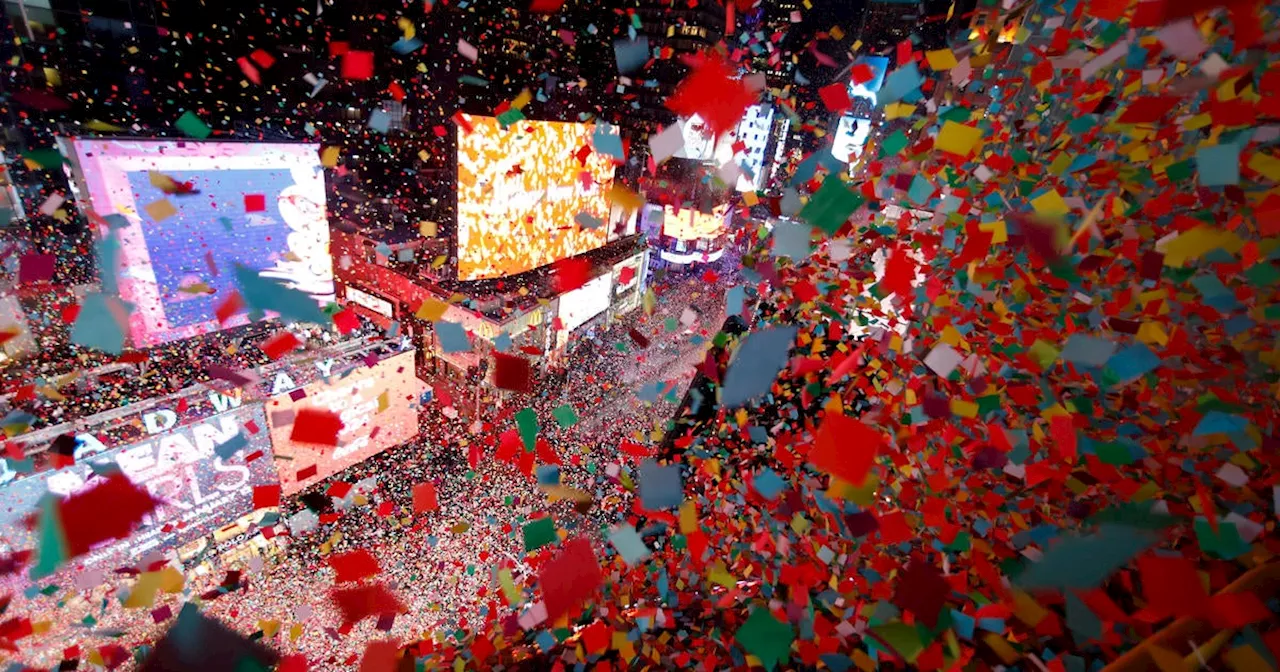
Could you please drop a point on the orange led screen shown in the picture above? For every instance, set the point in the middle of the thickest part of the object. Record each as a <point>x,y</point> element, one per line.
<point>520,193</point>
<point>690,224</point>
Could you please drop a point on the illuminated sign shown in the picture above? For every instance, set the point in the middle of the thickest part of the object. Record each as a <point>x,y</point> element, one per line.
<point>636,264</point>
<point>376,304</point>
<point>585,302</point>
<point>690,257</point>
<point>851,138</point>
<point>691,224</point>
<point>261,205</point>
<point>488,329</point>
<point>198,490</point>
<point>528,195</point>
<point>378,407</point>
<point>753,132</point>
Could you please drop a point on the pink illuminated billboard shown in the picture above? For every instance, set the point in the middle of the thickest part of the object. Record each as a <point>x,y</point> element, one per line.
<point>377,405</point>
<point>188,212</point>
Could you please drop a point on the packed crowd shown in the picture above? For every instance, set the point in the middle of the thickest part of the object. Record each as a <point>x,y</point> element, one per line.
<point>1056,452</point>
<point>444,565</point>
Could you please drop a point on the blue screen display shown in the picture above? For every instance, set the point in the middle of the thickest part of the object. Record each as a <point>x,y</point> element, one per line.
<point>211,225</point>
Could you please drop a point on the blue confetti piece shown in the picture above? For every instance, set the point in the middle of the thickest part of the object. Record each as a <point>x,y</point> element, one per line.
<point>768,484</point>
<point>1217,422</point>
<point>661,486</point>
<point>405,47</point>
<point>231,446</point>
<point>452,337</point>
<point>629,544</point>
<point>1132,362</point>
<point>756,364</point>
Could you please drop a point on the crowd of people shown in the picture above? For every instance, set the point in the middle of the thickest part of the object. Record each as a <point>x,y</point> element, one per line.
<point>446,565</point>
<point>1036,430</point>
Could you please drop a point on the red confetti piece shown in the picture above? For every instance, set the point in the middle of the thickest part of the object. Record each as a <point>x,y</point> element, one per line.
<point>511,372</point>
<point>311,425</point>
<point>262,58</point>
<point>712,92</point>
<point>570,578</point>
<point>845,448</point>
<point>357,65</point>
<point>266,496</point>
<point>424,498</point>
<point>255,203</point>
<point>280,345</point>
<point>353,566</point>
<point>109,510</point>
<point>836,97</point>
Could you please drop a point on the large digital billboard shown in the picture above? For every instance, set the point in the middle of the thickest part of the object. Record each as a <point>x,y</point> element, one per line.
<point>528,195</point>
<point>873,66</point>
<point>753,132</point>
<point>198,490</point>
<point>851,138</point>
<point>585,302</point>
<point>377,406</point>
<point>691,224</point>
<point>698,143</point>
<point>192,211</point>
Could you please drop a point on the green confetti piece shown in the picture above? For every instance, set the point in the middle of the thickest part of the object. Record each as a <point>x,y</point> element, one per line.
<point>565,416</point>
<point>766,638</point>
<point>539,533</point>
<point>190,124</point>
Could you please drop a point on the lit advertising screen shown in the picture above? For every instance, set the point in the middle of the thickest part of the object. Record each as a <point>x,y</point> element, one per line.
<point>191,211</point>
<point>851,138</point>
<point>698,144</point>
<point>199,491</point>
<point>753,132</point>
<point>528,195</point>
<point>879,65</point>
<point>691,224</point>
<point>632,269</point>
<point>585,302</point>
<point>377,405</point>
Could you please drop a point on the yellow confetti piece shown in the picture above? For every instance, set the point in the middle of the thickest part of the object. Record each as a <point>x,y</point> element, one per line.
<point>863,661</point>
<point>899,110</point>
<point>1001,648</point>
<point>269,628</point>
<point>1267,165</point>
<point>1166,660</point>
<point>1191,245</point>
<point>95,125</point>
<point>1027,609</point>
<point>407,28</point>
<point>999,231</point>
<point>143,593</point>
<point>1246,659</point>
<point>963,408</point>
<point>1050,204</point>
<point>688,516</point>
<point>625,198</point>
<point>428,229</point>
<point>719,576</point>
<point>942,59</point>
<point>431,310</point>
<point>508,586</point>
<point>522,99</point>
<point>160,210</point>
<point>329,156</point>
<point>958,139</point>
